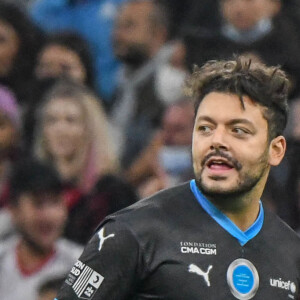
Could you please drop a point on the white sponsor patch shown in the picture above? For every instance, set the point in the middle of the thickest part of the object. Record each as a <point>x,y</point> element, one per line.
<point>84,280</point>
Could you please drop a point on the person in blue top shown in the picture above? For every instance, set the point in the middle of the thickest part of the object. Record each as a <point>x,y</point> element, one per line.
<point>210,238</point>
<point>94,20</point>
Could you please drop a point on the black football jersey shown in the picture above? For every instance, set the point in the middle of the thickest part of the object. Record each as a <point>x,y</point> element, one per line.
<point>170,247</point>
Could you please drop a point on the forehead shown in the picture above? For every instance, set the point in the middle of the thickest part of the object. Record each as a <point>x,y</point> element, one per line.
<point>66,104</point>
<point>57,50</point>
<point>6,27</point>
<point>39,198</point>
<point>178,114</point>
<point>226,107</point>
<point>136,10</point>
<point>246,2</point>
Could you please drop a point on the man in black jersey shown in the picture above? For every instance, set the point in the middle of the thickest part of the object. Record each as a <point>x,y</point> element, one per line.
<point>209,238</point>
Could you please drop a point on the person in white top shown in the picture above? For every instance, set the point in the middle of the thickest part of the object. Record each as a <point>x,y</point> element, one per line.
<point>39,213</point>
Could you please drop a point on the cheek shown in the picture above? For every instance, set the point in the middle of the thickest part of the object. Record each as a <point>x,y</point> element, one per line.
<point>77,134</point>
<point>12,51</point>
<point>26,217</point>
<point>253,158</point>
<point>8,53</point>
<point>78,72</point>
<point>57,214</point>
<point>50,136</point>
<point>7,135</point>
<point>199,147</point>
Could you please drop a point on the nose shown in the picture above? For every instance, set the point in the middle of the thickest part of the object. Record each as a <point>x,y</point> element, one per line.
<point>218,140</point>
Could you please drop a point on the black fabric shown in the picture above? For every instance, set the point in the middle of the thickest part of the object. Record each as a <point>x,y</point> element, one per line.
<point>143,258</point>
<point>109,195</point>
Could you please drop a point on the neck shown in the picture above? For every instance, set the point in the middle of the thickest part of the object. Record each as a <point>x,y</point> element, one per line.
<point>67,168</point>
<point>4,165</point>
<point>244,217</point>
<point>242,209</point>
<point>29,259</point>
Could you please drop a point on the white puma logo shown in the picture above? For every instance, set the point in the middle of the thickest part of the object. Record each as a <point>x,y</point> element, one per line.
<point>102,238</point>
<point>195,269</point>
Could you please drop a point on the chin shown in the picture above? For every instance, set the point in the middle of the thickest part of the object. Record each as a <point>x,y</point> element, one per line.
<point>219,184</point>
<point>218,189</point>
<point>226,190</point>
<point>46,246</point>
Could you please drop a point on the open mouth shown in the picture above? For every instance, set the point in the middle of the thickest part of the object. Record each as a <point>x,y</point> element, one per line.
<point>219,164</point>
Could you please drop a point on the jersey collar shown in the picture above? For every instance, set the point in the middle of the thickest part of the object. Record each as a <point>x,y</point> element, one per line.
<point>242,236</point>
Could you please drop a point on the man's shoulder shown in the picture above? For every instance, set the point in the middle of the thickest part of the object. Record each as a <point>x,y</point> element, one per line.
<point>275,225</point>
<point>159,209</point>
<point>159,202</point>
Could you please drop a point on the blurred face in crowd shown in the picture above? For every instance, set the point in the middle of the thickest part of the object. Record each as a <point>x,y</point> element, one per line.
<point>64,127</point>
<point>9,47</point>
<point>56,60</point>
<point>245,14</point>
<point>177,125</point>
<point>134,33</point>
<point>231,149</point>
<point>8,134</point>
<point>40,218</point>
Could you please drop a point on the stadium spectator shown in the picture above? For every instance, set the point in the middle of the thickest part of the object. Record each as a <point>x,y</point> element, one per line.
<point>10,152</point>
<point>205,15</point>
<point>19,43</point>
<point>63,54</point>
<point>249,26</point>
<point>141,43</point>
<point>93,19</point>
<point>39,214</point>
<point>167,159</point>
<point>75,136</point>
<point>10,135</point>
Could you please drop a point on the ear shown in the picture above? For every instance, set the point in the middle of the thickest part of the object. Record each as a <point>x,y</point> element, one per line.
<point>275,8</point>
<point>161,33</point>
<point>277,150</point>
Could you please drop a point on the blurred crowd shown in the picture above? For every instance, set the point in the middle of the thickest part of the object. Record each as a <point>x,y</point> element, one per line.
<point>93,116</point>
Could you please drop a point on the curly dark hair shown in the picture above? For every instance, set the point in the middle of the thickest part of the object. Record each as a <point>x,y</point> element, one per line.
<point>266,85</point>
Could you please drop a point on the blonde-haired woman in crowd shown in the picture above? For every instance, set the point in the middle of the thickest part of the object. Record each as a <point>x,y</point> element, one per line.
<point>74,135</point>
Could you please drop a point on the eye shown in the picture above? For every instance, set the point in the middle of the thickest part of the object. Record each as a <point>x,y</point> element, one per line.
<point>50,120</point>
<point>240,131</point>
<point>204,129</point>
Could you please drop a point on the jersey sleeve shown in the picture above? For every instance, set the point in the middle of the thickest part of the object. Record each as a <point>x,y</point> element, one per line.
<point>108,267</point>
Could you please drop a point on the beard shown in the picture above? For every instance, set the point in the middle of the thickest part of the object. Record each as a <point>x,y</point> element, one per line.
<point>134,56</point>
<point>246,182</point>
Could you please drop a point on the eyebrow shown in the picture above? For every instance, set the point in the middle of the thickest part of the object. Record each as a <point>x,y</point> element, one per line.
<point>231,122</point>
<point>205,118</point>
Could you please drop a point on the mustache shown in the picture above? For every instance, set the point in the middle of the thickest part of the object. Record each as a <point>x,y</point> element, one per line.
<point>236,164</point>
